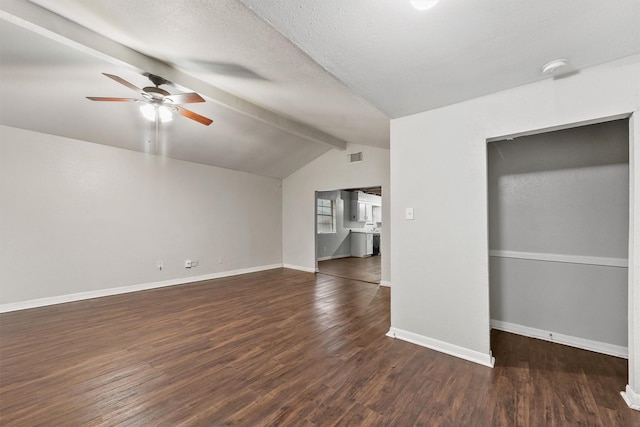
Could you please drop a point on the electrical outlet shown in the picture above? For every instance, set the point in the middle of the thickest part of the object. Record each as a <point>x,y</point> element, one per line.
<point>219,260</point>
<point>159,265</point>
<point>195,263</point>
<point>187,263</point>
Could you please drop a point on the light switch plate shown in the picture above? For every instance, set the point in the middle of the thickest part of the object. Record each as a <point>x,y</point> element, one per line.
<point>408,214</point>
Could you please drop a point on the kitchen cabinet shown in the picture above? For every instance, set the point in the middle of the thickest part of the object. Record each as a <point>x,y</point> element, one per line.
<point>361,244</point>
<point>358,211</point>
<point>362,212</point>
<point>377,213</point>
<point>365,208</point>
<point>368,215</point>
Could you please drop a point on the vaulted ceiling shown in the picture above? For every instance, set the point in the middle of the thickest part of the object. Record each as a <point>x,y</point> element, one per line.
<point>284,81</point>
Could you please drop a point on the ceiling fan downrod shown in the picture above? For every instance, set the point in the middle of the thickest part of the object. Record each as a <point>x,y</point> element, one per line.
<point>157,80</point>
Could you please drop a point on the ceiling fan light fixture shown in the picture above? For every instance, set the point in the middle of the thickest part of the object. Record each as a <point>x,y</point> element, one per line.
<point>165,114</point>
<point>150,112</point>
<point>423,5</point>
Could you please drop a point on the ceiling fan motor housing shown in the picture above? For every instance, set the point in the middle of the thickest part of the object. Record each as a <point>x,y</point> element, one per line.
<point>157,80</point>
<point>155,92</point>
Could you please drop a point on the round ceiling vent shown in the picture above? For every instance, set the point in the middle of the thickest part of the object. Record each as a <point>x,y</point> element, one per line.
<point>423,4</point>
<point>554,67</point>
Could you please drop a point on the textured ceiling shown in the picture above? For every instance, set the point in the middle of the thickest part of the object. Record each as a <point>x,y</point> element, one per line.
<point>44,85</point>
<point>225,44</point>
<point>404,61</point>
<point>284,80</point>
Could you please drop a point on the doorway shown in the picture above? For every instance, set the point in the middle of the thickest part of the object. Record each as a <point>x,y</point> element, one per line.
<point>559,236</point>
<point>347,235</point>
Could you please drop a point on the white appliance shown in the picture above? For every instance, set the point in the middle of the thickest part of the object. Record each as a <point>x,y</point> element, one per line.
<point>361,244</point>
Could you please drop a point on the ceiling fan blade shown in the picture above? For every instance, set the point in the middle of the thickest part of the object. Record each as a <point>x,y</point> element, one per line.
<point>194,116</point>
<point>102,98</point>
<point>124,82</point>
<point>184,98</point>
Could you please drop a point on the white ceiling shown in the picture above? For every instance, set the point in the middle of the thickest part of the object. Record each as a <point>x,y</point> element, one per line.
<point>284,80</point>
<point>404,61</point>
<point>43,87</point>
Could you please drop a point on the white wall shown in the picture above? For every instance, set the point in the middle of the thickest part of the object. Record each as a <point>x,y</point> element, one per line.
<point>440,293</point>
<point>330,171</point>
<point>79,217</point>
<point>564,194</point>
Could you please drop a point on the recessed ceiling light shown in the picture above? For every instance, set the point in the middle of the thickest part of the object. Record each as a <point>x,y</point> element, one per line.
<point>423,4</point>
<point>554,67</point>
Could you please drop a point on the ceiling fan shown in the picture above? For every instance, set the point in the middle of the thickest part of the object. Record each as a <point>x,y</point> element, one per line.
<point>157,104</point>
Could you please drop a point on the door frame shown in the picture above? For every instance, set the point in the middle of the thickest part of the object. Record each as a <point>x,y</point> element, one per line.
<point>631,394</point>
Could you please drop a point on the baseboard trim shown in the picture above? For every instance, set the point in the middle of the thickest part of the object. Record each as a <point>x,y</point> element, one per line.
<point>582,343</point>
<point>326,258</point>
<point>61,299</point>
<point>385,283</point>
<point>300,268</point>
<point>632,398</point>
<point>443,347</point>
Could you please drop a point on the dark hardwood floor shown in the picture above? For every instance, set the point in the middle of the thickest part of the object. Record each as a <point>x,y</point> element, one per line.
<point>284,348</point>
<point>365,269</point>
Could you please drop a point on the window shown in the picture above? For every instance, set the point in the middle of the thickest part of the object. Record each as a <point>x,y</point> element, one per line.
<point>326,216</point>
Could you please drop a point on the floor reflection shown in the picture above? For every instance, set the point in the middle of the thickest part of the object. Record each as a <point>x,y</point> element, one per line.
<point>366,269</point>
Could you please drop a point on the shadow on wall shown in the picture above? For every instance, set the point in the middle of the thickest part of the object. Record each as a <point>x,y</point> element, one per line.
<point>585,146</point>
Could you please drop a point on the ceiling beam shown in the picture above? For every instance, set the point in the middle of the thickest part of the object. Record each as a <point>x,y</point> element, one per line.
<point>42,21</point>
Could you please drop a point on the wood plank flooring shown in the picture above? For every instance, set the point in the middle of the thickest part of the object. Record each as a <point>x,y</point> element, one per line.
<point>365,269</point>
<point>283,348</point>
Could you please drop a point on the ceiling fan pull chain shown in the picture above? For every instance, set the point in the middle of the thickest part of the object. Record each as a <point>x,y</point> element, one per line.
<point>149,133</point>
<point>157,128</point>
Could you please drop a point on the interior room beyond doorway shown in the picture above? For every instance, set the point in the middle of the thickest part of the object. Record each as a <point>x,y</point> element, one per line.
<point>348,229</point>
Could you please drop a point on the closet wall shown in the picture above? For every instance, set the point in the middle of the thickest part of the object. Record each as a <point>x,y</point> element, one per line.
<point>558,235</point>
